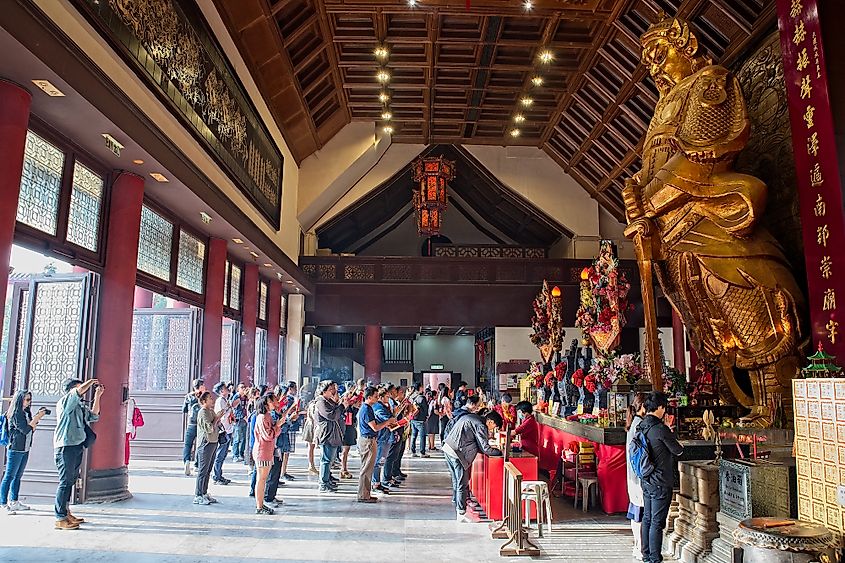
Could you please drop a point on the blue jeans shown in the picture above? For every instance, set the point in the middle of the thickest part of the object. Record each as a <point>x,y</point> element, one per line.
<point>11,485</point>
<point>460,483</point>
<point>68,461</point>
<point>239,440</point>
<point>253,475</point>
<point>657,501</point>
<point>418,429</point>
<point>326,459</point>
<point>190,438</point>
<point>381,453</point>
<point>220,456</point>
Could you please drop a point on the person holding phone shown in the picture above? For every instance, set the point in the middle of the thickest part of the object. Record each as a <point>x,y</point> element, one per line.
<point>70,439</point>
<point>208,434</point>
<point>263,449</point>
<point>22,426</point>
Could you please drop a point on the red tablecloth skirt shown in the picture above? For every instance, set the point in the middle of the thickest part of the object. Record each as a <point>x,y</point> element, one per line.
<point>611,470</point>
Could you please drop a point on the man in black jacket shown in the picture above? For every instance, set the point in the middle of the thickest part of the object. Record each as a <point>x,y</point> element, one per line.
<point>663,448</point>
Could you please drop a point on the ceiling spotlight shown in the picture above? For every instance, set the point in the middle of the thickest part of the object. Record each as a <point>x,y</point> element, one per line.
<point>537,81</point>
<point>519,118</point>
<point>526,101</point>
<point>515,132</point>
<point>237,241</point>
<point>386,115</point>
<point>412,3</point>
<point>383,76</point>
<point>137,161</point>
<point>383,97</point>
<point>528,4</point>
<point>159,177</point>
<point>288,281</point>
<point>254,255</point>
<point>388,129</point>
<point>268,265</point>
<point>546,57</point>
<point>381,52</point>
<point>48,88</point>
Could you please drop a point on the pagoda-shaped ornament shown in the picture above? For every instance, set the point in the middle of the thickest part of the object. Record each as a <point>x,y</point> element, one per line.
<point>822,364</point>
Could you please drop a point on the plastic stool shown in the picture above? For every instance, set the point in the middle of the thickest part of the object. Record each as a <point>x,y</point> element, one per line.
<point>538,493</point>
<point>586,491</point>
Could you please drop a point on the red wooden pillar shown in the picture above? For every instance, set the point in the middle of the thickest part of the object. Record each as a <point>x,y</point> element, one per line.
<point>274,321</point>
<point>14,117</point>
<point>372,353</point>
<point>107,476</point>
<point>212,318</point>
<point>679,348</point>
<point>249,309</point>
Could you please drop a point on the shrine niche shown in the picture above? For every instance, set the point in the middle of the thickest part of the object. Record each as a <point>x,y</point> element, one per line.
<point>696,221</point>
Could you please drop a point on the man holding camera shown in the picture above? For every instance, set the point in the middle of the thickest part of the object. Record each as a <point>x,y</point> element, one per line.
<point>71,437</point>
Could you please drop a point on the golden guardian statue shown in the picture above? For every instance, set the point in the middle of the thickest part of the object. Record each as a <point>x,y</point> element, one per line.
<point>694,220</point>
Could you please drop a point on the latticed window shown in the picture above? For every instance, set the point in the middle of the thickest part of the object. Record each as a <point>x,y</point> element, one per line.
<point>262,300</point>
<point>283,316</point>
<point>226,283</point>
<point>41,184</point>
<point>155,244</point>
<point>260,375</point>
<point>190,263</point>
<point>235,288</point>
<point>86,199</point>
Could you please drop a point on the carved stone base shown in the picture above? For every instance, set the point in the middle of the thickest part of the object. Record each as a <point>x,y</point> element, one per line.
<point>108,485</point>
<point>723,550</point>
<point>695,528</point>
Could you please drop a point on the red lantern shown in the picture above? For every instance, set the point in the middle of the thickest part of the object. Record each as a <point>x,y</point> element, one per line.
<point>430,201</point>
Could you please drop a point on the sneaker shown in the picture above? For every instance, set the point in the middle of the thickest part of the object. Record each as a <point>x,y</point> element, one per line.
<point>18,506</point>
<point>415,454</point>
<point>73,518</point>
<point>222,481</point>
<point>8,509</point>
<point>346,475</point>
<point>265,510</point>
<point>402,475</point>
<point>313,470</point>
<point>326,490</point>
<point>210,499</point>
<point>188,468</point>
<point>65,524</point>
<point>425,455</point>
<point>368,500</point>
<point>463,518</point>
<point>289,477</point>
<point>383,490</point>
<point>201,500</point>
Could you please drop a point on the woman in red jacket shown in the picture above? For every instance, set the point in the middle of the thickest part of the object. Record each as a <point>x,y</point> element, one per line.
<point>528,429</point>
<point>266,432</point>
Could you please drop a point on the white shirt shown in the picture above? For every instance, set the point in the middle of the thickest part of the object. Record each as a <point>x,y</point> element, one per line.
<point>220,405</point>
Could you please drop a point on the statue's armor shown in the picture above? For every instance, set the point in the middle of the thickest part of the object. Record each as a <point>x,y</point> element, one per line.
<point>726,276</point>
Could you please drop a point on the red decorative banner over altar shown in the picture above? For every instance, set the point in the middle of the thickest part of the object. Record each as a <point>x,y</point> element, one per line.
<point>816,168</point>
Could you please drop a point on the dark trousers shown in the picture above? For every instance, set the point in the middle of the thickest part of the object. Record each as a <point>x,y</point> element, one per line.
<point>418,430</point>
<point>205,460</point>
<point>223,442</point>
<point>273,478</point>
<point>460,483</point>
<point>657,501</point>
<point>444,420</point>
<point>397,467</point>
<point>390,463</point>
<point>68,461</point>
<point>190,438</point>
<point>239,439</point>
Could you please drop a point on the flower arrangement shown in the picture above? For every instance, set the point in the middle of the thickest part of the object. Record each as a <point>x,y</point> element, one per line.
<point>613,369</point>
<point>546,322</point>
<point>604,300</point>
<point>535,375</point>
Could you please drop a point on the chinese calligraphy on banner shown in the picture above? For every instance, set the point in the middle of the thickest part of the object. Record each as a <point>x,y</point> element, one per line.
<point>816,168</point>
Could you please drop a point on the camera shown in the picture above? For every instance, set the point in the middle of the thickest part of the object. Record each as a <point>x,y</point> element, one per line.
<point>46,410</point>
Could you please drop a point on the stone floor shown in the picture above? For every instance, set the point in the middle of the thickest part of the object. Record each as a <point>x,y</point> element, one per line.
<point>416,524</point>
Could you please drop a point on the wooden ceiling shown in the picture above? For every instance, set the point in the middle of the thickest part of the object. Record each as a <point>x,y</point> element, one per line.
<point>457,75</point>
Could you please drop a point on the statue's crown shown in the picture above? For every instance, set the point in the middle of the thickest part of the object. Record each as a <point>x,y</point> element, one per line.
<point>674,30</point>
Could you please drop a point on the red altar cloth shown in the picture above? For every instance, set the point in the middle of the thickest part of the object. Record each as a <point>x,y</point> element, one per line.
<point>611,470</point>
<point>487,480</point>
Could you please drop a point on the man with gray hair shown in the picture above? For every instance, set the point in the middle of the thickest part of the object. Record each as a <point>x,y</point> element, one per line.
<point>329,432</point>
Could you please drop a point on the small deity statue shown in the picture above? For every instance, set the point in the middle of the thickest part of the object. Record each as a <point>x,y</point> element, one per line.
<point>696,219</point>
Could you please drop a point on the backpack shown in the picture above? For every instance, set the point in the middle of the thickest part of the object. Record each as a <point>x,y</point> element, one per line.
<point>639,455</point>
<point>459,414</point>
<point>5,436</point>
<point>195,410</point>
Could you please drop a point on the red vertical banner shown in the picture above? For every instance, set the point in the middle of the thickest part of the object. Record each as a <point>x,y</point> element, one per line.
<point>816,168</point>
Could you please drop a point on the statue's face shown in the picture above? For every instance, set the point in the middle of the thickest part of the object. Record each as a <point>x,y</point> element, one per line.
<point>666,64</point>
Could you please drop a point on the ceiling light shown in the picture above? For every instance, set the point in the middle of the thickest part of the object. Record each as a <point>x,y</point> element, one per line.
<point>412,3</point>
<point>288,281</point>
<point>386,115</point>
<point>206,218</point>
<point>237,241</point>
<point>159,177</point>
<point>383,76</point>
<point>537,81</point>
<point>519,118</point>
<point>268,265</point>
<point>48,88</point>
<point>137,161</point>
<point>383,97</point>
<point>526,101</point>
<point>279,276</point>
<point>515,132</point>
<point>254,255</point>
<point>388,129</point>
<point>546,57</point>
<point>381,52</point>
<point>528,4</point>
